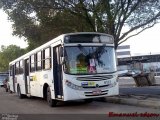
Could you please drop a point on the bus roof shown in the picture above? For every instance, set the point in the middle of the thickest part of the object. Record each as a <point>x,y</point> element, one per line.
<point>98,33</point>
<point>60,37</point>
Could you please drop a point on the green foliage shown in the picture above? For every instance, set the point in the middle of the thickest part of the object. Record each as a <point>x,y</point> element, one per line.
<point>7,54</point>
<point>40,24</point>
<point>39,21</point>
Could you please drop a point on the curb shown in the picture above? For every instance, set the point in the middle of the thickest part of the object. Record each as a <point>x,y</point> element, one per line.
<point>135,102</point>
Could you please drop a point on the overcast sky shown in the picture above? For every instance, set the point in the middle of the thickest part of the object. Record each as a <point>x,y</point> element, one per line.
<point>146,42</point>
<point>6,37</point>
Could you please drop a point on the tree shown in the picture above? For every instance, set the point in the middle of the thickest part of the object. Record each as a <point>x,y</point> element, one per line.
<point>32,18</point>
<point>39,25</point>
<point>7,54</point>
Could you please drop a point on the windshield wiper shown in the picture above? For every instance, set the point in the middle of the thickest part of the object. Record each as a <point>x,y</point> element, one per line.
<point>81,48</point>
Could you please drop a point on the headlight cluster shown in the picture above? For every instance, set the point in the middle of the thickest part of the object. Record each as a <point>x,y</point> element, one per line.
<point>73,86</point>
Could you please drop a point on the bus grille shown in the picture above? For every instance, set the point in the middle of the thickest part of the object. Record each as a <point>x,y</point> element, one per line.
<point>110,85</point>
<point>103,92</point>
<point>95,78</point>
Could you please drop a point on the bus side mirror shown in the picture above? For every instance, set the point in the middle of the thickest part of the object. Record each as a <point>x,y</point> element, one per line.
<point>61,51</point>
<point>62,55</point>
<point>62,60</point>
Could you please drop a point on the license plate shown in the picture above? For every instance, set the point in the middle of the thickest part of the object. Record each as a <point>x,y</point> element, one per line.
<point>96,92</point>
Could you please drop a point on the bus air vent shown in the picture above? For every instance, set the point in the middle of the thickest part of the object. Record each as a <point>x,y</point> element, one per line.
<point>95,78</point>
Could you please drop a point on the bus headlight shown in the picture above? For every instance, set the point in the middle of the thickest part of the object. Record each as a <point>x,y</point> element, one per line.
<point>73,86</point>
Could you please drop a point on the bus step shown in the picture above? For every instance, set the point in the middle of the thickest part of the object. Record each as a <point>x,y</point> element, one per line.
<point>59,99</point>
<point>28,95</point>
<point>59,96</point>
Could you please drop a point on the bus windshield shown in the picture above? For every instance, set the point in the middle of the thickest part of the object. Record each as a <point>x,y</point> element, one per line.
<point>89,60</point>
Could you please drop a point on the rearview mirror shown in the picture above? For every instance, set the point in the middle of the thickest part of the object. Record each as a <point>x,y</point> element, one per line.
<point>62,60</point>
<point>61,52</point>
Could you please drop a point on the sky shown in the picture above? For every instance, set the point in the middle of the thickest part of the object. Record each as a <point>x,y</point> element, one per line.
<point>6,37</point>
<point>146,42</point>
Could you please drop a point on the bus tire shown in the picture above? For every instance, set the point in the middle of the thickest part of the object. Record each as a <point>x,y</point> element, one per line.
<point>88,100</point>
<point>19,93</point>
<point>50,101</point>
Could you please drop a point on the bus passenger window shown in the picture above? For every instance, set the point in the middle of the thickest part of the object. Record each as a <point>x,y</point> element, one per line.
<point>17,68</point>
<point>32,63</point>
<point>21,67</point>
<point>39,60</point>
<point>10,71</point>
<point>47,58</point>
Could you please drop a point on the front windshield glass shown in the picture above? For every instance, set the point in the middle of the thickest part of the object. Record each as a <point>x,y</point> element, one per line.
<point>89,60</point>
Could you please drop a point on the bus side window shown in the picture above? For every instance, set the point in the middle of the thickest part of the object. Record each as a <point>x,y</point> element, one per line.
<point>47,58</point>
<point>39,61</point>
<point>10,70</point>
<point>32,63</point>
<point>21,67</point>
<point>17,68</point>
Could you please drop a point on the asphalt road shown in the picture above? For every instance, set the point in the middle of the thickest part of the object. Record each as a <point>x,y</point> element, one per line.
<point>127,86</point>
<point>149,90</point>
<point>10,103</point>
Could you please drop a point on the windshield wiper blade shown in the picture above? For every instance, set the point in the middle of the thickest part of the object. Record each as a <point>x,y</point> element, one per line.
<point>81,48</point>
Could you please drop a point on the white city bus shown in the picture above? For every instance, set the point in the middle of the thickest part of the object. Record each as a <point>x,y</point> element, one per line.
<point>72,66</point>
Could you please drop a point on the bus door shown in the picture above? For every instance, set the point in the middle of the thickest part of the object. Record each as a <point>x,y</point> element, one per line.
<point>12,75</point>
<point>57,73</point>
<point>13,69</point>
<point>26,75</point>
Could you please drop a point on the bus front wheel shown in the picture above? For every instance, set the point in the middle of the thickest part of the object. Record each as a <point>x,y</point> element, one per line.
<point>50,101</point>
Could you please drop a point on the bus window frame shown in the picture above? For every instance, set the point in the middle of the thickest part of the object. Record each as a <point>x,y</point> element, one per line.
<point>21,67</point>
<point>34,63</point>
<point>11,70</point>
<point>17,68</point>
<point>37,61</point>
<point>48,58</point>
